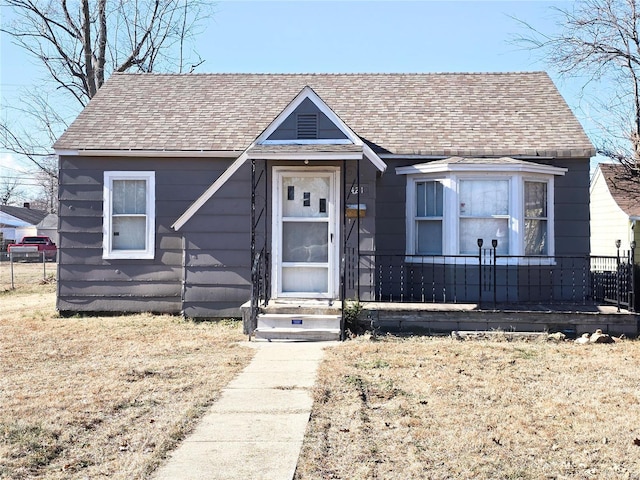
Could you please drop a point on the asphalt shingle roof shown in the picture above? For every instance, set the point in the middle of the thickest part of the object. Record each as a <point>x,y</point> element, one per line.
<point>463,114</point>
<point>623,187</point>
<point>33,217</point>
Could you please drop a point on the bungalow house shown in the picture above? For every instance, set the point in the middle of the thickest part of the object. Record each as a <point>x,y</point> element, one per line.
<point>615,223</point>
<point>198,194</point>
<point>615,210</point>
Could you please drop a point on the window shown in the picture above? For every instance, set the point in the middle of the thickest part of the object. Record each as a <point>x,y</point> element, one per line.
<point>452,203</point>
<point>484,213</point>
<point>129,215</point>
<point>535,218</point>
<point>428,217</point>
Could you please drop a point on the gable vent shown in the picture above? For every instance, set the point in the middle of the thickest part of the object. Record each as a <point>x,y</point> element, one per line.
<point>307,126</point>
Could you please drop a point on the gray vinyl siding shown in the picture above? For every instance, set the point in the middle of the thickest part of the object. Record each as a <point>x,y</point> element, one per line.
<point>216,240</point>
<point>572,230</point>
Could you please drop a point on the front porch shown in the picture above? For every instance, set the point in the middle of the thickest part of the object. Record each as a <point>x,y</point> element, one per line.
<point>297,319</point>
<point>435,295</point>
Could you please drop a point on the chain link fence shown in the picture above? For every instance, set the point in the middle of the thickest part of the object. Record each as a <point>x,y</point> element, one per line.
<point>19,270</point>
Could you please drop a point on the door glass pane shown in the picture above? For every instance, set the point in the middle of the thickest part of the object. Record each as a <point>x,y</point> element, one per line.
<point>129,233</point>
<point>305,279</point>
<point>481,198</point>
<point>305,196</point>
<point>429,237</point>
<point>471,229</point>
<point>305,242</point>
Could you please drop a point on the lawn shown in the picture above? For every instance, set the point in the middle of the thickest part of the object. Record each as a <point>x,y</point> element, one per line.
<point>438,408</point>
<point>109,397</point>
<point>102,396</point>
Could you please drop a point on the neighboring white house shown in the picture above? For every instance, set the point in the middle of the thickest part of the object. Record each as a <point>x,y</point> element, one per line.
<point>615,210</point>
<point>17,222</point>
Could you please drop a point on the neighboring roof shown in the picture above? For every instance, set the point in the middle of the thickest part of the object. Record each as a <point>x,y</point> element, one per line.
<point>624,187</point>
<point>439,114</point>
<point>27,215</point>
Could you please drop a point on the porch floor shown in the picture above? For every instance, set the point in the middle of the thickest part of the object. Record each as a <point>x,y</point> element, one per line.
<point>438,318</point>
<point>570,319</point>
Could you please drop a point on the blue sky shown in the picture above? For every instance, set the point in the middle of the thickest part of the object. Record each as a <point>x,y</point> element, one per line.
<point>349,36</point>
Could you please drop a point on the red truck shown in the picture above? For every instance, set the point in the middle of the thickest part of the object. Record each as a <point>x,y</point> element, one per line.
<point>29,246</point>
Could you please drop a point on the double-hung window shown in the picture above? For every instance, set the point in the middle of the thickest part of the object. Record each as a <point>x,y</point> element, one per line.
<point>484,213</point>
<point>535,218</point>
<point>428,217</point>
<point>129,215</point>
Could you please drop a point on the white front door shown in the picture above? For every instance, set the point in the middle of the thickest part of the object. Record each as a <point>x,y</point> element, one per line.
<point>305,231</point>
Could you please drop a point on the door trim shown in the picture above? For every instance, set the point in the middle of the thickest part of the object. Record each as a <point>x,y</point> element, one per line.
<point>334,230</point>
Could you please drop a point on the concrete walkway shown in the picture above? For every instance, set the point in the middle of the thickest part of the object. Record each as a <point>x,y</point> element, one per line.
<point>255,430</point>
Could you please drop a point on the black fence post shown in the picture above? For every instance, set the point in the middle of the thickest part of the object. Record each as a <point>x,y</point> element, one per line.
<point>632,264</point>
<point>494,244</point>
<point>480,242</point>
<point>618,242</point>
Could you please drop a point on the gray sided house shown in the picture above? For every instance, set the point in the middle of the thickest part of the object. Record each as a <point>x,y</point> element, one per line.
<point>195,194</point>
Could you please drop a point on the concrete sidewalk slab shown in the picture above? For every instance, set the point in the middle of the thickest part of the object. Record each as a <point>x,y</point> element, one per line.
<point>256,428</point>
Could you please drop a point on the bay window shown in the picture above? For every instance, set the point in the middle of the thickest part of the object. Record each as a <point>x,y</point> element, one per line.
<point>129,215</point>
<point>452,203</point>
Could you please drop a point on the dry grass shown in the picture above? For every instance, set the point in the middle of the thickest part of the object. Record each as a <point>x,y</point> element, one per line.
<point>102,397</point>
<point>26,274</point>
<point>438,408</point>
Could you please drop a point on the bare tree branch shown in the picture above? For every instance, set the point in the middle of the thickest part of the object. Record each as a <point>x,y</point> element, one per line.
<point>599,39</point>
<point>80,43</point>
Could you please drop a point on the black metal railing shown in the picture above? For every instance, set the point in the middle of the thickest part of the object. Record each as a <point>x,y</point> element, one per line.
<point>493,280</point>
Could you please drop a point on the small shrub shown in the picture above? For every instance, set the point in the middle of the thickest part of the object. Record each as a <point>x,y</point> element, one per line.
<point>352,311</point>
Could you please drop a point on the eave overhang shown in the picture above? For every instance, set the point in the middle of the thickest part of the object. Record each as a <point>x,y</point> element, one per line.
<point>149,153</point>
<point>461,164</point>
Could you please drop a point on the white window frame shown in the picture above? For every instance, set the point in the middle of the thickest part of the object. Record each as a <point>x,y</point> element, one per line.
<point>451,211</point>
<point>107,230</point>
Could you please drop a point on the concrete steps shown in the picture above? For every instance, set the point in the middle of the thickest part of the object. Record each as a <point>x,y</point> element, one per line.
<point>298,326</point>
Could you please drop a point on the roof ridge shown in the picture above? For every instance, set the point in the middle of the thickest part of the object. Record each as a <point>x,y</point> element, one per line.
<point>325,74</point>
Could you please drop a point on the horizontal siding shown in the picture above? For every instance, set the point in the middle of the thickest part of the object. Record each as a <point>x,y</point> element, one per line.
<point>219,309</point>
<point>75,304</point>
<point>90,283</point>
<point>608,222</point>
<point>238,276</point>
<point>217,241</point>
<point>137,289</point>
<point>120,273</point>
<point>211,294</point>
<point>215,258</point>
<point>571,210</point>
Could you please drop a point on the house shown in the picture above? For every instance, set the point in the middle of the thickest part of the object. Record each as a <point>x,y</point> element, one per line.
<point>17,222</point>
<point>615,210</point>
<point>49,227</point>
<point>198,193</point>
